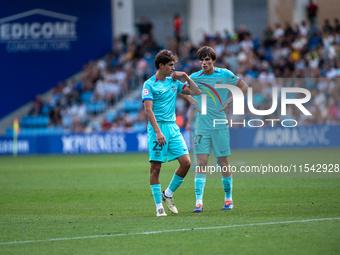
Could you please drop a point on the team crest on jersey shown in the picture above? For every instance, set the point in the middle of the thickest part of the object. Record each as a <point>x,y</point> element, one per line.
<point>145,92</point>
<point>173,88</point>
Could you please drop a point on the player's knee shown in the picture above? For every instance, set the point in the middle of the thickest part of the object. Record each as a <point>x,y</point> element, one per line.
<point>155,170</point>
<point>202,162</point>
<point>186,163</point>
<point>223,161</point>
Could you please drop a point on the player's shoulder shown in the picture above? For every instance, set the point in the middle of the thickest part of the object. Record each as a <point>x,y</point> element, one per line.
<point>151,81</point>
<point>170,81</point>
<point>224,72</point>
<point>220,70</point>
<point>196,74</point>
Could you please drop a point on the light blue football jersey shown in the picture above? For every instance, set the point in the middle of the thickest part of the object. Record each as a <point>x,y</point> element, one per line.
<point>163,94</point>
<point>216,97</point>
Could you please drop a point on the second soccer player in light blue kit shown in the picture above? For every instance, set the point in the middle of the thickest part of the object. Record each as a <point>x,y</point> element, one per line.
<point>164,138</point>
<point>208,134</point>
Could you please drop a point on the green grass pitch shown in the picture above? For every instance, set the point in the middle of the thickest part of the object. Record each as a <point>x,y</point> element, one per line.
<point>52,200</point>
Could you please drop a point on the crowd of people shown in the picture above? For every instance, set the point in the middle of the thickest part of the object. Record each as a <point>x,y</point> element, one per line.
<point>100,84</point>
<point>303,55</point>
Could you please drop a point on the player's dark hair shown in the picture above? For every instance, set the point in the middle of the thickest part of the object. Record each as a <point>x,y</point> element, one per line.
<point>206,51</point>
<point>164,57</point>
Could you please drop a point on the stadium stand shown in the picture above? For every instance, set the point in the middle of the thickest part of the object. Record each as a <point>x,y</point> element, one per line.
<point>105,96</point>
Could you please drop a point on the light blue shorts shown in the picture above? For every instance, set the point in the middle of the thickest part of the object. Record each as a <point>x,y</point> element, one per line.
<point>175,145</point>
<point>218,139</point>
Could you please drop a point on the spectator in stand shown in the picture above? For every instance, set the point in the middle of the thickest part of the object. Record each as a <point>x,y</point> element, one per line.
<point>331,72</point>
<point>79,120</point>
<point>314,35</point>
<point>247,44</point>
<point>127,122</point>
<point>37,106</point>
<point>55,116</point>
<point>289,31</point>
<point>327,28</point>
<point>332,112</point>
<point>299,42</point>
<point>120,75</point>
<point>336,91</point>
<point>111,86</point>
<point>180,122</point>
<point>142,69</point>
<point>303,29</point>
<point>81,113</point>
<point>268,34</point>
<point>116,127</point>
<point>312,11</point>
<point>278,32</point>
<point>141,116</point>
<point>265,76</point>
<point>177,27</point>
<point>144,27</point>
<point>336,25</point>
<point>242,32</point>
<point>106,125</point>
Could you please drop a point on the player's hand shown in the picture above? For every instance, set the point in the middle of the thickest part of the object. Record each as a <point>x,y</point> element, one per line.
<point>195,104</point>
<point>176,74</point>
<point>187,127</point>
<point>160,138</point>
<point>224,108</point>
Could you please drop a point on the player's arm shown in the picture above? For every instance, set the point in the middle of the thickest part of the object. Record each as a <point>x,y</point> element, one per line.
<point>151,117</point>
<point>192,89</point>
<point>192,111</point>
<point>190,100</point>
<point>244,87</point>
<point>192,114</point>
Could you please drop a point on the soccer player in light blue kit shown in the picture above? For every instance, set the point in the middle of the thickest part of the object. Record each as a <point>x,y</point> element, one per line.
<point>207,133</point>
<point>164,138</point>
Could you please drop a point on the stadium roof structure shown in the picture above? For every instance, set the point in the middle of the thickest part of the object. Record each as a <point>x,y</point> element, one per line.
<point>41,12</point>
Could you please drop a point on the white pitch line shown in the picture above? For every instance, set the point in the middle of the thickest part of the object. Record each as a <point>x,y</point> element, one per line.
<point>171,230</point>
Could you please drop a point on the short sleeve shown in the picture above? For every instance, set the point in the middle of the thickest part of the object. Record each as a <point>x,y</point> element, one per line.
<point>180,86</point>
<point>233,79</point>
<point>147,92</point>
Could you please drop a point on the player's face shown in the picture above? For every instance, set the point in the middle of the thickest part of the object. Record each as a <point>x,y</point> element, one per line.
<point>207,64</point>
<point>168,68</point>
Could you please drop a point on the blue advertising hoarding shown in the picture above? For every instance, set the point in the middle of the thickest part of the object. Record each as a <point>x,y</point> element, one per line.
<point>44,42</point>
<point>281,137</point>
<point>249,138</point>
